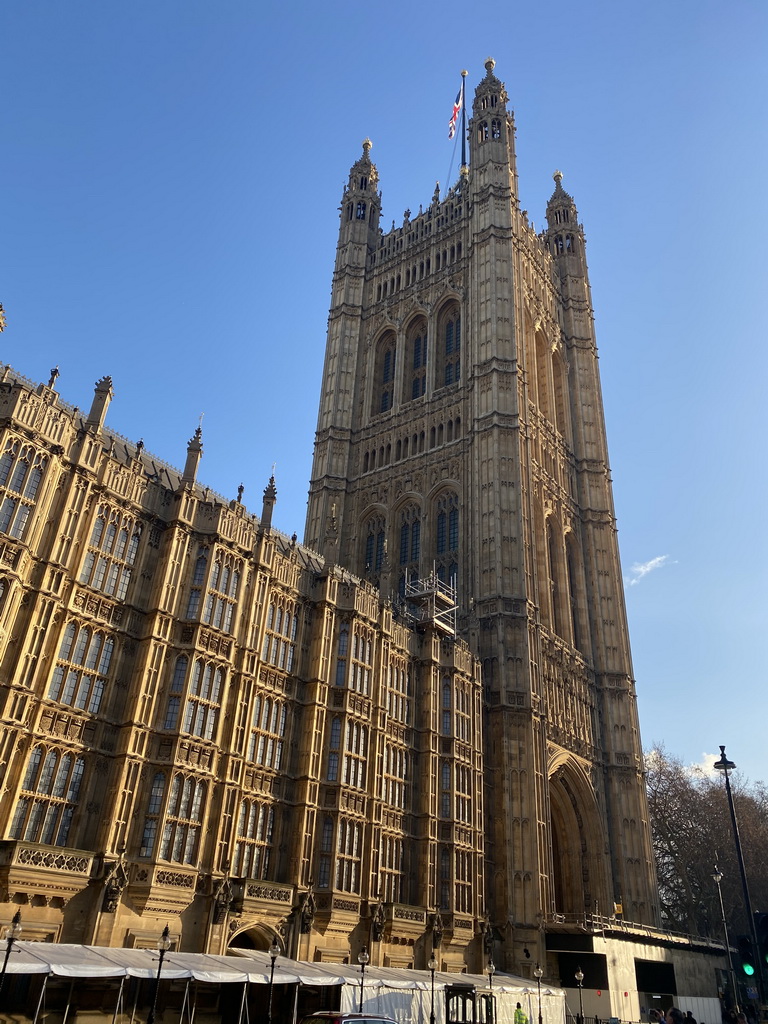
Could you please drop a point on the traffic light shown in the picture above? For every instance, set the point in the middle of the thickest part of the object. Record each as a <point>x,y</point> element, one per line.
<point>747,961</point>
<point>761,929</point>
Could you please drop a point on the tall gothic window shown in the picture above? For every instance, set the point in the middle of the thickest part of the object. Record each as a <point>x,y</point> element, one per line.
<point>112,551</point>
<point>267,732</point>
<point>448,368</point>
<point>384,374</point>
<point>415,383</point>
<point>184,819</point>
<point>21,472</point>
<point>447,537</point>
<point>355,755</point>
<point>280,637</point>
<point>81,668</point>
<point>392,869</point>
<point>152,818</point>
<point>253,847</point>
<point>410,544</point>
<point>198,578</point>
<point>374,544</point>
<point>349,853</point>
<point>204,699</point>
<point>176,689</point>
<point>222,592</point>
<point>48,800</point>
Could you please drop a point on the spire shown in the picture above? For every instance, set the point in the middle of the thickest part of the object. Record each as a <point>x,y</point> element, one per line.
<point>194,454</point>
<point>564,236</point>
<point>270,497</point>
<point>361,202</point>
<point>102,396</point>
<point>492,134</point>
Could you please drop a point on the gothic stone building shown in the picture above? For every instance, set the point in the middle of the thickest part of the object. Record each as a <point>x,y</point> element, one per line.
<point>461,432</point>
<point>205,725</point>
<point>208,724</point>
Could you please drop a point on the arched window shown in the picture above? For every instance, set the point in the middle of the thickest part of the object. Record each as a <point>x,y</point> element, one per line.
<point>81,668</point>
<point>360,211</point>
<point>447,537</point>
<point>184,819</point>
<point>48,799</point>
<point>204,699</point>
<point>415,383</point>
<point>154,808</point>
<point>410,544</point>
<point>448,365</point>
<point>253,848</point>
<point>21,472</point>
<point>384,374</point>
<point>373,556</point>
<point>495,129</point>
<point>112,551</point>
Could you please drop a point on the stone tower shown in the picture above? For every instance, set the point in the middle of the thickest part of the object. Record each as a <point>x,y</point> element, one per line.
<point>461,435</point>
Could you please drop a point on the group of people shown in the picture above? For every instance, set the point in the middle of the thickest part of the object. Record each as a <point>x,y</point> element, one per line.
<point>672,1016</point>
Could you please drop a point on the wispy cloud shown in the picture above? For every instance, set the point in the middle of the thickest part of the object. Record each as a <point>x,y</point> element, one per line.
<point>641,569</point>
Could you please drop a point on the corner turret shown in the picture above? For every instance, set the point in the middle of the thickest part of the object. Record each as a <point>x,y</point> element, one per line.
<point>194,454</point>
<point>564,235</point>
<point>361,204</point>
<point>492,134</point>
<point>270,498</point>
<point>102,396</point>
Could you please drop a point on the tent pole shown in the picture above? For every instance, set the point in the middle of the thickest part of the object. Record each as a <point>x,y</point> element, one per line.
<point>194,1005</point>
<point>119,1000</point>
<point>135,1001</point>
<point>69,1000</point>
<point>40,1000</point>
<point>184,1003</point>
<point>296,1003</point>
<point>242,1003</point>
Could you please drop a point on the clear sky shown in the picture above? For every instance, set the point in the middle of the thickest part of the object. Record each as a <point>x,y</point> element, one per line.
<point>169,185</point>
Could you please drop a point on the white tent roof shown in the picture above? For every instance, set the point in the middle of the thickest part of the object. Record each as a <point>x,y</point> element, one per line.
<point>74,961</point>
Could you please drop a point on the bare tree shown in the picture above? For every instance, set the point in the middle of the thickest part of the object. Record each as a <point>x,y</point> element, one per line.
<point>691,829</point>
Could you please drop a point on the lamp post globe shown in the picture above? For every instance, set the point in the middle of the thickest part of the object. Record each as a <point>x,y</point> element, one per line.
<point>274,953</point>
<point>432,965</point>
<point>538,974</point>
<point>163,945</point>
<point>362,958</point>
<point>580,982</point>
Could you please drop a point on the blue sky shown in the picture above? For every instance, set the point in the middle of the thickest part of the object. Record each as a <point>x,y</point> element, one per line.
<point>169,186</point>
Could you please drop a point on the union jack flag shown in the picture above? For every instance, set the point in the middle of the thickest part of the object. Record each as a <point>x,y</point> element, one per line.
<point>454,115</point>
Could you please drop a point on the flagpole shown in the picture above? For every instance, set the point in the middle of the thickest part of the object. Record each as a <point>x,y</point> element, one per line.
<point>463,122</point>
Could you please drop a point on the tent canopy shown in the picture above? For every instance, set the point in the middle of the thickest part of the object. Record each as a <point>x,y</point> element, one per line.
<point>74,961</point>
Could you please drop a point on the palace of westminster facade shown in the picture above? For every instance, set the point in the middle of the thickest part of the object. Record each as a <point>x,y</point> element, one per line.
<point>417,730</point>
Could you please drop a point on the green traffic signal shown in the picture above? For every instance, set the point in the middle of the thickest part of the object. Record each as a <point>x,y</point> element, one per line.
<point>746,955</point>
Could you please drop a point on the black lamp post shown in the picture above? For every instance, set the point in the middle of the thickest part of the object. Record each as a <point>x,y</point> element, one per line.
<point>538,974</point>
<point>12,933</point>
<point>274,953</point>
<point>717,877</point>
<point>490,968</point>
<point>725,766</point>
<point>580,982</point>
<point>432,965</point>
<point>163,945</point>
<point>362,959</point>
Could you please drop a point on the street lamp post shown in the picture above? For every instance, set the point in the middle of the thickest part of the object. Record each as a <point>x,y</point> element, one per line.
<point>12,933</point>
<point>538,973</point>
<point>163,945</point>
<point>274,953</point>
<point>580,982</point>
<point>725,766</point>
<point>717,877</point>
<point>362,959</point>
<point>490,968</point>
<point>432,965</point>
